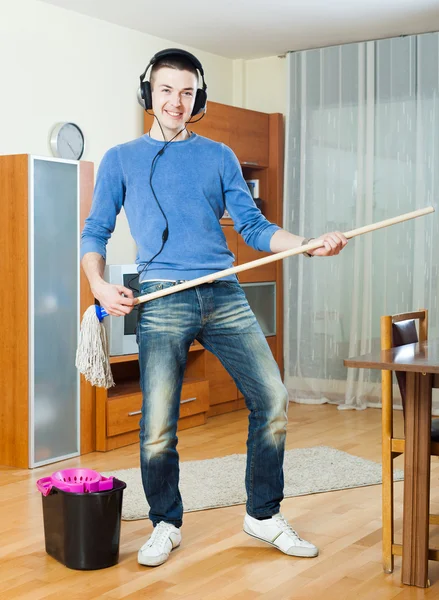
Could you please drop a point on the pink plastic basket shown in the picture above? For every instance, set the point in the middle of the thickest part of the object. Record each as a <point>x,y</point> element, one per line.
<point>77,481</point>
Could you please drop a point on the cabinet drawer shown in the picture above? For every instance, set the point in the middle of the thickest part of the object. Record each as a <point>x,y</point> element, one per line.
<point>124,413</point>
<point>194,398</point>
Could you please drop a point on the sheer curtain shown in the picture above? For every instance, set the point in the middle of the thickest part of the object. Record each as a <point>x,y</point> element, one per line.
<point>362,145</point>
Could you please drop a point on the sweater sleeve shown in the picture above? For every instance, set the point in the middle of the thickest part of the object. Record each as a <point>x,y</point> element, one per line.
<point>248,220</point>
<point>108,198</point>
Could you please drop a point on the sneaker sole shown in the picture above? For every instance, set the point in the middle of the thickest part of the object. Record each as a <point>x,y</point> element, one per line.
<point>155,564</point>
<point>299,553</point>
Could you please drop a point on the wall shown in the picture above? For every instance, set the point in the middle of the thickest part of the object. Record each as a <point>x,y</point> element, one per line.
<point>58,65</point>
<point>261,84</point>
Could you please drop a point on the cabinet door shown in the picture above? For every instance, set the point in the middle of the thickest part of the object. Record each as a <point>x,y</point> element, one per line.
<point>249,136</point>
<point>54,314</point>
<point>245,131</point>
<point>215,125</point>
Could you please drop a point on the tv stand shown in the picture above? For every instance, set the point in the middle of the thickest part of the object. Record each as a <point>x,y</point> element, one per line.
<point>118,409</point>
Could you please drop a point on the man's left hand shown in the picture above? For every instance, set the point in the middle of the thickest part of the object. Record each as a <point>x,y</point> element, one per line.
<point>334,244</point>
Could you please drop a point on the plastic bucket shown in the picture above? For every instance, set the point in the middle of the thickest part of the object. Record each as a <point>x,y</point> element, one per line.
<point>82,531</point>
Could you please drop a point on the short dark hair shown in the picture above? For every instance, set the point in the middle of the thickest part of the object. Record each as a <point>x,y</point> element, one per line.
<point>180,63</point>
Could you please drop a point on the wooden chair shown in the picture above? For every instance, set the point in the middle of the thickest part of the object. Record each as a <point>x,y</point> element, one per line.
<point>397,330</point>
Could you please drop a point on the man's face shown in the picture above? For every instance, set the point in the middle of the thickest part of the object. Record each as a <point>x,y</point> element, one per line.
<point>173,96</point>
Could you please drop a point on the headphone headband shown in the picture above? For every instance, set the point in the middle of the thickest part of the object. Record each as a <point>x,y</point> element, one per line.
<point>144,95</point>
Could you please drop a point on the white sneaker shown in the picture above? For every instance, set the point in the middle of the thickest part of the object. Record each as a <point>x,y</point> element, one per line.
<point>279,533</point>
<point>157,549</point>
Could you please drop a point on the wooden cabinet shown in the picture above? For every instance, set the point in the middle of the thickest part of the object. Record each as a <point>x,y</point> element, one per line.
<point>249,136</point>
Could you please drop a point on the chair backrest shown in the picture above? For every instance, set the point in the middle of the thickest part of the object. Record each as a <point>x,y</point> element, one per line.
<point>397,330</point>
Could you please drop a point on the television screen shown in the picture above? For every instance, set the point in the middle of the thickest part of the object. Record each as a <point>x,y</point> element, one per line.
<point>131,281</point>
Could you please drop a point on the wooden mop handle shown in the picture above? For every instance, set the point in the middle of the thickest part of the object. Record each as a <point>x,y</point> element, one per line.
<point>280,255</point>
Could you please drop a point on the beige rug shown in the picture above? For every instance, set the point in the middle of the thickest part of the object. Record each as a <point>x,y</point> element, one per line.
<point>220,481</point>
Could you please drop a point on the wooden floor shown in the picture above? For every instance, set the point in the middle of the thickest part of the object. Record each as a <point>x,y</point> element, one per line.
<point>216,560</point>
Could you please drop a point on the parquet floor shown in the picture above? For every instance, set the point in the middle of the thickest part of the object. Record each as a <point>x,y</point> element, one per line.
<point>217,561</point>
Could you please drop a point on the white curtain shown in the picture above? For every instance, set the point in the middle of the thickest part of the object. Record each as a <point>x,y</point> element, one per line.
<point>362,145</point>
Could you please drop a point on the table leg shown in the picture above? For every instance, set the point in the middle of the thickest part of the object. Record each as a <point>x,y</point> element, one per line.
<point>416,479</point>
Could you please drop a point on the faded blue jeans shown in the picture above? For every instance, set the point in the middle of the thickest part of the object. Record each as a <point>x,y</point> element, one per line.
<point>219,317</point>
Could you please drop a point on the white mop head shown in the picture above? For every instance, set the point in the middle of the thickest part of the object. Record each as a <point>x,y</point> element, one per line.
<point>92,354</point>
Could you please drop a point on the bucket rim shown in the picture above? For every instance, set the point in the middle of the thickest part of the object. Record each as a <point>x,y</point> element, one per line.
<point>120,487</point>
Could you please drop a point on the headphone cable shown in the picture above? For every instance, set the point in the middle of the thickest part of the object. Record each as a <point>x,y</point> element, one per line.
<point>202,117</point>
<point>165,233</point>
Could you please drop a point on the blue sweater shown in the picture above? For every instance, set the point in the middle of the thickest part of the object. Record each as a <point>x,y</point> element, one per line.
<point>195,180</point>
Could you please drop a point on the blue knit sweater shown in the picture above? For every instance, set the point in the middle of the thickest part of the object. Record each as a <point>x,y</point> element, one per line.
<point>195,180</point>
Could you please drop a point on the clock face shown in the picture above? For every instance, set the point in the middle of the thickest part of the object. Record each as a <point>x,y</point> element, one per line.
<point>67,141</point>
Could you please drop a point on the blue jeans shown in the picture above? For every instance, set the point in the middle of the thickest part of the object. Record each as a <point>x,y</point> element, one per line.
<point>219,317</point>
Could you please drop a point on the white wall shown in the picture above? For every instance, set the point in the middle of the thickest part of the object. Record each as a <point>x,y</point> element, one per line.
<point>57,65</point>
<point>261,84</point>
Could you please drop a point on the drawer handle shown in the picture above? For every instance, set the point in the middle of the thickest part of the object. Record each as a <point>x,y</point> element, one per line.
<point>188,400</point>
<point>250,162</point>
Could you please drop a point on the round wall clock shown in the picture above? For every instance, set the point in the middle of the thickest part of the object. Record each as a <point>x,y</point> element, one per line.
<point>67,141</point>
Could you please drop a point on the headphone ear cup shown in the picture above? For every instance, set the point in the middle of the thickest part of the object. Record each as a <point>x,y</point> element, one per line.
<point>145,92</point>
<point>200,102</point>
<point>140,99</point>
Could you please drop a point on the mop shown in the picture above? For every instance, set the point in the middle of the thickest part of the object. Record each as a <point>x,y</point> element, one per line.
<point>92,357</point>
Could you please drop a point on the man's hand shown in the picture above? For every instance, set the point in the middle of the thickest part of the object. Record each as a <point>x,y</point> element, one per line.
<point>116,299</point>
<point>334,244</point>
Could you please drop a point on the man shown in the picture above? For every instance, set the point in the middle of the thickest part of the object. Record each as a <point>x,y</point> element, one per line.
<point>175,186</point>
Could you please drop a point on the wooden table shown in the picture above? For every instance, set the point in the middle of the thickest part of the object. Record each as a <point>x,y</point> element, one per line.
<point>421,363</point>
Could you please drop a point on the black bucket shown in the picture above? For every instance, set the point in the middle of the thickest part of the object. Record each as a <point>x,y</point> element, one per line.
<point>82,531</point>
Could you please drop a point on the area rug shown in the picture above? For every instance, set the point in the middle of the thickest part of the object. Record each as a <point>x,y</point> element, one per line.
<point>219,482</point>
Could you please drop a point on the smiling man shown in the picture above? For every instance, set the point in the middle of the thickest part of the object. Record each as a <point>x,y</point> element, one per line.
<point>173,93</point>
<point>175,186</point>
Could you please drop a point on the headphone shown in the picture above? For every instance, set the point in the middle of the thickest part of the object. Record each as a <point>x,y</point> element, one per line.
<point>144,95</point>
